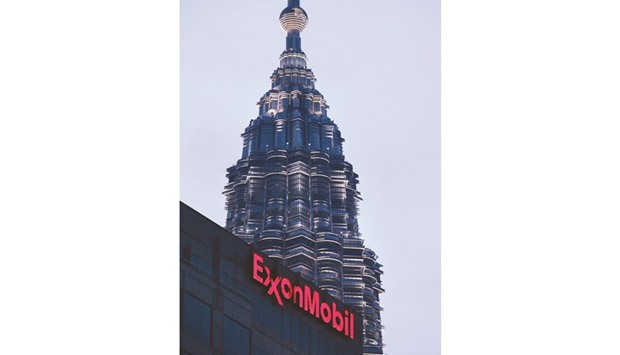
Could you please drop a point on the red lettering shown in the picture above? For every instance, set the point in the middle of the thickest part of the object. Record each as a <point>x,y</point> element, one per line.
<point>346,322</point>
<point>274,289</point>
<point>306,298</point>
<point>311,304</point>
<point>267,277</point>
<point>257,268</point>
<point>298,296</point>
<point>286,284</point>
<point>326,312</point>
<point>338,325</point>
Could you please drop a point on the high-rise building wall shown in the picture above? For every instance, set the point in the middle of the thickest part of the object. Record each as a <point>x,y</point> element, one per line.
<point>294,196</point>
<point>228,305</point>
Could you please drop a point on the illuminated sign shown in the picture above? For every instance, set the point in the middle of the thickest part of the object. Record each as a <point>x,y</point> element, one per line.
<point>308,299</point>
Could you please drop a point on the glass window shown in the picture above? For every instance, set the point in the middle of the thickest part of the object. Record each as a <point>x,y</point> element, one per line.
<point>296,335</point>
<point>323,346</point>
<point>259,351</point>
<point>196,320</point>
<point>201,263</point>
<point>277,320</point>
<point>236,338</point>
<point>314,342</point>
<point>330,347</point>
<point>286,325</point>
<point>305,337</point>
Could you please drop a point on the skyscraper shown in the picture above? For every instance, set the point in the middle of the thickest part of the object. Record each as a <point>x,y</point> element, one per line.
<point>294,196</point>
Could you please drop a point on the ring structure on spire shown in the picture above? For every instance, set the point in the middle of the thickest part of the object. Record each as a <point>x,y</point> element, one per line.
<point>293,19</point>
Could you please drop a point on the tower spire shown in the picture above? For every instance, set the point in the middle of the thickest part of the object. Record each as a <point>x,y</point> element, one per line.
<point>293,20</point>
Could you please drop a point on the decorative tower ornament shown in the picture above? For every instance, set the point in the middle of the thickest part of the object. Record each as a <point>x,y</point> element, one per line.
<point>294,196</point>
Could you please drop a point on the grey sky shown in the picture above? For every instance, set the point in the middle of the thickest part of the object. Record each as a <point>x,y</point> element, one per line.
<point>379,69</point>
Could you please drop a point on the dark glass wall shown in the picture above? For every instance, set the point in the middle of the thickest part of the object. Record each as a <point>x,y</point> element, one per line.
<point>225,311</point>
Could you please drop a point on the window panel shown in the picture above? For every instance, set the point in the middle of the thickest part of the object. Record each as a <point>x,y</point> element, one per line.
<point>236,338</point>
<point>196,318</point>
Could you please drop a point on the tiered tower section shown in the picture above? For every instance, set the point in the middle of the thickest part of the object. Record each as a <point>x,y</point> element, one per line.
<point>293,194</point>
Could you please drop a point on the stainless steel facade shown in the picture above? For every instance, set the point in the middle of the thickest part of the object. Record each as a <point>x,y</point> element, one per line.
<point>294,196</point>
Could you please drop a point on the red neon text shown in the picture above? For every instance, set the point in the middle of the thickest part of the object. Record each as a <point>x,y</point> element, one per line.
<point>307,299</point>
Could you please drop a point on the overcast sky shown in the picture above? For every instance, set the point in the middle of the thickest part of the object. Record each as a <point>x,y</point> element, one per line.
<point>378,66</point>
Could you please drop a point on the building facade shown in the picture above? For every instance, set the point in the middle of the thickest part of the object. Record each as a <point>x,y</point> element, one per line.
<point>294,196</point>
<point>236,300</point>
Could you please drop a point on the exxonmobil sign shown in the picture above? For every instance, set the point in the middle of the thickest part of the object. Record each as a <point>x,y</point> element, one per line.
<point>308,299</point>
